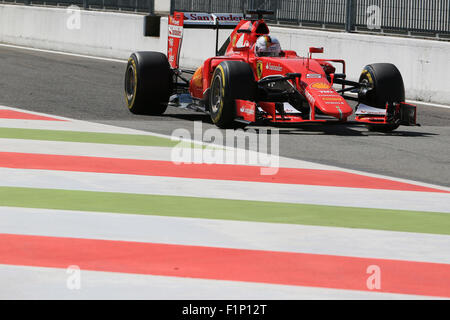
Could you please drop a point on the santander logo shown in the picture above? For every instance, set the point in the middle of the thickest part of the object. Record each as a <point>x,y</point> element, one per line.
<point>249,111</point>
<point>274,67</point>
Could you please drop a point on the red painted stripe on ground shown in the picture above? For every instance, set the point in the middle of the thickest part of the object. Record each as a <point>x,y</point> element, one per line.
<point>201,171</point>
<point>12,114</point>
<point>311,270</point>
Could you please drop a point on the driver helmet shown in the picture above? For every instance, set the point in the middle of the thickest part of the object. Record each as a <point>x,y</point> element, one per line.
<point>267,46</point>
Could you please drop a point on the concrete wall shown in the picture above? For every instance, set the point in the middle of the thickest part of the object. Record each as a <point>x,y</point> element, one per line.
<point>423,63</point>
<point>106,34</point>
<point>162,6</point>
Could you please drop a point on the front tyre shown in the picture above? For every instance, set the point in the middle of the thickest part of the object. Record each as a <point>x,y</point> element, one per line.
<point>386,84</point>
<point>231,80</point>
<point>148,83</point>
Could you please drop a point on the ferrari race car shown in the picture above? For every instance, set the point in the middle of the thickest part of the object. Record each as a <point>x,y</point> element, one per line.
<point>243,84</point>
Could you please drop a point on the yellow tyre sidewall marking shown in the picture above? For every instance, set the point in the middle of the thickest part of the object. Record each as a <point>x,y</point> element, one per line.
<point>368,75</point>
<point>130,105</point>
<point>219,112</point>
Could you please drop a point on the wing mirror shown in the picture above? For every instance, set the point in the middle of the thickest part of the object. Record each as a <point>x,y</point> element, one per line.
<point>315,50</point>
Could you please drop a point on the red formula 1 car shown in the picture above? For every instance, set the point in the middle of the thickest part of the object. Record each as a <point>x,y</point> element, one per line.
<point>242,86</point>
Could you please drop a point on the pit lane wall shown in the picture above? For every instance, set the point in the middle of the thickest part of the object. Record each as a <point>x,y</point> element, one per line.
<point>423,63</point>
<point>106,34</point>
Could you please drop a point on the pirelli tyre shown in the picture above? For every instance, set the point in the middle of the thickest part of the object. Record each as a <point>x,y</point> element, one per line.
<point>386,84</point>
<point>231,80</point>
<point>148,83</point>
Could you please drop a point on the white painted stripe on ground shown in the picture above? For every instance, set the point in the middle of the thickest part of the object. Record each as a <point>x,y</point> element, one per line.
<point>84,126</point>
<point>35,113</point>
<point>81,126</point>
<point>374,175</point>
<point>221,189</point>
<point>63,53</point>
<point>23,282</point>
<point>431,104</point>
<point>227,234</point>
<point>147,153</point>
<point>68,124</point>
<point>125,152</point>
<point>436,105</point>
<point>71,125</point>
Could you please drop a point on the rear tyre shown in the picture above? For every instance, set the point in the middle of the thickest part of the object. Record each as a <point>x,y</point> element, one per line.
<point>387,86</point>
<point>148,83</point>
<point>231,80</point>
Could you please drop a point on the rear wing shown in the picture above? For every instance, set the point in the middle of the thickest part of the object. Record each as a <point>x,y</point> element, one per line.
<point>195,20</point>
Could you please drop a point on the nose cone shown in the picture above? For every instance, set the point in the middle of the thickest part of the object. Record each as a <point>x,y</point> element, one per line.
<point>334,105</point>
<point>340,111</point>
<point>323,96</point>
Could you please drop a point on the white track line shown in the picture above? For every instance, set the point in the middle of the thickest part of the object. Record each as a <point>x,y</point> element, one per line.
<point>21,282</point>
<point>69,124</point>
<point>35,113</point>
<point>74,125</point>
<point>436,105</point>
<point>63,53</point>
<point>221,189</point>
<point>126,152</point>
<point>348,242</point>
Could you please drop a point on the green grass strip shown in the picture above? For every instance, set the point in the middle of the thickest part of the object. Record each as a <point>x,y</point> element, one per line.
<point>87,137</point>
<point>175,206</point>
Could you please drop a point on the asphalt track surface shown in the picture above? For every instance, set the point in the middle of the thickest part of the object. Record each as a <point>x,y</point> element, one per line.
<point>92,90</point>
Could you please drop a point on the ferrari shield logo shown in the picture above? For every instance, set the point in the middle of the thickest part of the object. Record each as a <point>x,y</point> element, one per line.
<point>259,69</point>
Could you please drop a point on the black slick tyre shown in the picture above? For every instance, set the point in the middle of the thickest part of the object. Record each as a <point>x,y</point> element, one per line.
<point>387,87</point>
<point>231,80</point>
<point>148,83</point>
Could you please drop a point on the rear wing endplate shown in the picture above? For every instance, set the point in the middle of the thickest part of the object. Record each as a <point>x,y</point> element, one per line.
<point>174,39</point>
<point>195,20</point>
